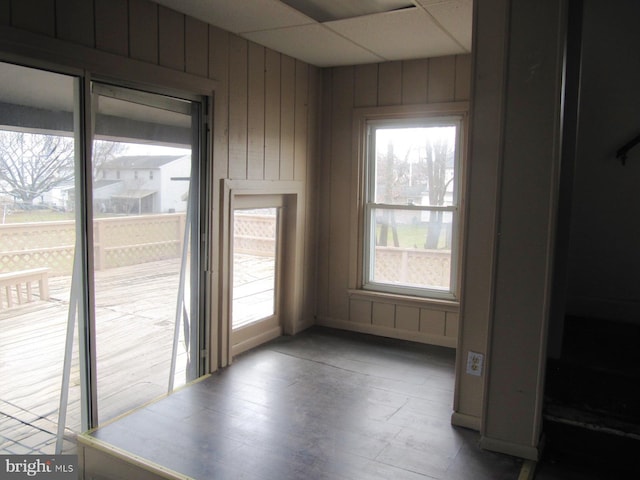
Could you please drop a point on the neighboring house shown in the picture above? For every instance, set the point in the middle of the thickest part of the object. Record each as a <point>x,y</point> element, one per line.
<point>143,184</point>
<point>59,198</point>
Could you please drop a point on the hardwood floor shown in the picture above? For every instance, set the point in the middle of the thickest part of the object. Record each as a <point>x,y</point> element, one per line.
<point>322,405</point>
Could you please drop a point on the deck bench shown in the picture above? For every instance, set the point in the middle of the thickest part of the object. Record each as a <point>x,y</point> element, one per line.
<point>17,279</point>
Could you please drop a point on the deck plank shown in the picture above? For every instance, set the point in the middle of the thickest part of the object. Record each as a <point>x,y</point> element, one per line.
<point>135,310</point>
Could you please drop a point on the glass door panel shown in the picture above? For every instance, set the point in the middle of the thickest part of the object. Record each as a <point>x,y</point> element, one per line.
<point>254,265</point>
<point>255,271</point>
<point>39,178</point>
<point>144,259</point>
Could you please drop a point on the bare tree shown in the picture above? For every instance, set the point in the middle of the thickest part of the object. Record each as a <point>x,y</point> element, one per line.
<point>439,152</point>
<point>388,174</point>
<point>33,164</point>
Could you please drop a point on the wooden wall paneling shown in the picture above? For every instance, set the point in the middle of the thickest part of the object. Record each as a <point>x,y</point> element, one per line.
<point>451,325</point>
<point>112,26</point>
<point>414,81</point>
<point>219,71</point>
<point>238,56</point>
<point>196,47</point>
<point>432,321</point>
<point>384,314</point>
<point>255,112</point>
<point>171,48</point>
<point>324,194</point>
<point>143,30</point>
<point>300,153</point>
<point>407,318</point>
<point>366,85</point>
<point>463,78</point>
<point>390,83</point>
<point>442,71</point>
<point>75,21</point>
<point>311,190</point>
<point>360,311</point>
<point>37,16</point>
<point>272,116</point>
<point>287,116</point>
<point>340,191</point>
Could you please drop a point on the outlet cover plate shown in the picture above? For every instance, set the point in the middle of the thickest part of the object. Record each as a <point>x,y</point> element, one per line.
<point>474,363</point>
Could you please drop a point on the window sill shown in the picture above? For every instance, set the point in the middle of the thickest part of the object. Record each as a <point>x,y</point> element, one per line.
<point>383,297</point>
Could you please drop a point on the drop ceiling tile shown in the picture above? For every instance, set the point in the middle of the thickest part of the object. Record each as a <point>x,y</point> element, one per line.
<point>398,35</point>
<point>239,16</point>
<point>432,2</point>
<point>314,44</point>
<point>455,16</point>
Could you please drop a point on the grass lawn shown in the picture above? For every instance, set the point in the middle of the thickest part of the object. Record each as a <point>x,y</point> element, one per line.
<point>29,216</point>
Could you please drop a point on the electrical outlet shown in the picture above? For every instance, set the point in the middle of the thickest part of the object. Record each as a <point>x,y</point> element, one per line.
<point>474,363</point>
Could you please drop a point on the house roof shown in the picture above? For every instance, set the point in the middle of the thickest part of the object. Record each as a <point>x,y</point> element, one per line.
<point>141,161</point>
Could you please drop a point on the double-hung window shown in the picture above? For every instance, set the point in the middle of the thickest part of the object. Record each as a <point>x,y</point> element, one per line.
<point>412,205</point>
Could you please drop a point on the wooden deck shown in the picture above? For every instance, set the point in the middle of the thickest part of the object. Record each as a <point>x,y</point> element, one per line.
<point>135,311</point>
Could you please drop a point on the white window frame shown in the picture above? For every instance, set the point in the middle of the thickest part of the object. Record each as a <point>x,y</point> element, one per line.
<point>414,116</point>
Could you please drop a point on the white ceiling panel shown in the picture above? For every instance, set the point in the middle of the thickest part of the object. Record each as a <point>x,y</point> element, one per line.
<point>240,16</point>
<point>328,10</point>
<point>314,44</point>
<point>456,17</point>
<point>433,28</point>
<point>403,34</point>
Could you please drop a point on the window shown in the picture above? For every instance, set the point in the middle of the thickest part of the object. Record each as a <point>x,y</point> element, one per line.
<point>411,206</point>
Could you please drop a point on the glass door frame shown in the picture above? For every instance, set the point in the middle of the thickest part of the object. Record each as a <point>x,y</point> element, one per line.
<point>196,221</point>
<point>270,326</point>
<point>125,72</point>
<point>293,221</point>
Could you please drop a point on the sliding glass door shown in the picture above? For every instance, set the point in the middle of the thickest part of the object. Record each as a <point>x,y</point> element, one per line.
<point>40,234</point>
<point>102,230</point>
<point>145,171</point>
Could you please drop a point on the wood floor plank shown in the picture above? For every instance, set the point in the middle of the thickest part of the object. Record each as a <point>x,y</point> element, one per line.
<point>320,405</point>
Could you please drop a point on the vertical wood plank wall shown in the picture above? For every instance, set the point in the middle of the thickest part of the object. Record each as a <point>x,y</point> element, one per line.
<point>265,105</point>
<point>436,80</point>
<point>266,126</point>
